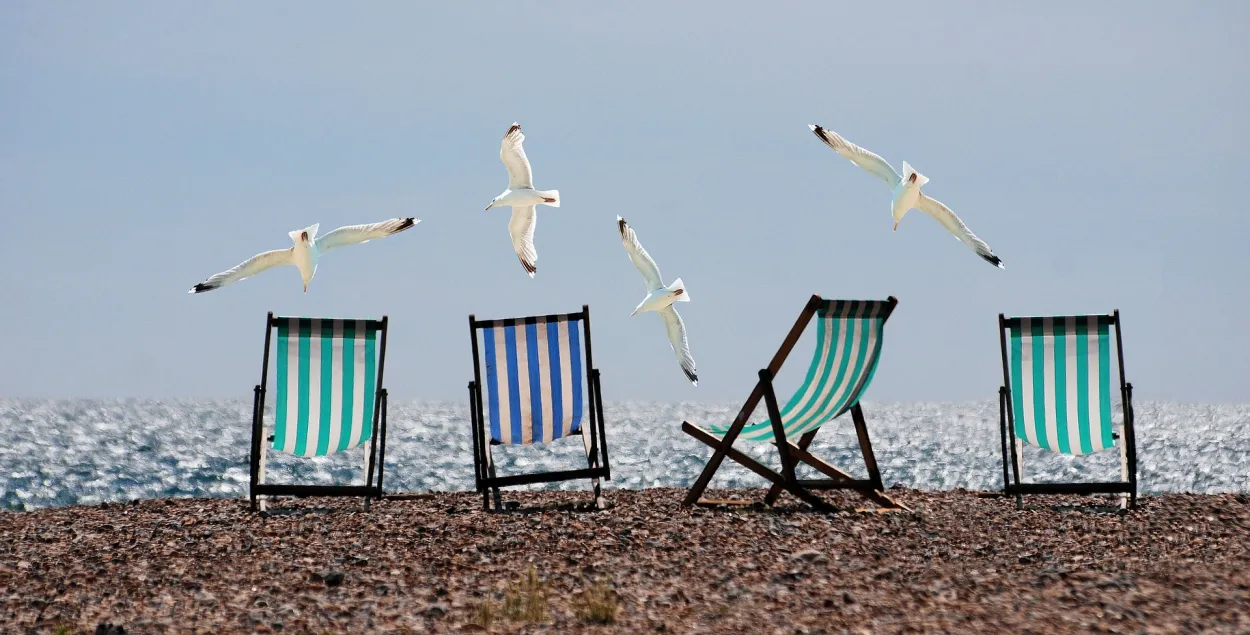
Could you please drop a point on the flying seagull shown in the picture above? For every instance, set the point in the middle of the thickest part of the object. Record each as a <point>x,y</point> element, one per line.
<point>522,196</point>
<point>660,298</point>
<point>907,192</point>
<point>306,252</point>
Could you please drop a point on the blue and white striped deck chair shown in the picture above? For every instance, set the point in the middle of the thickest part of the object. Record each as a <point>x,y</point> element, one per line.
<point>329,398</point>
<point>1057,394</point>
<point>540,386</point>
<point>849,334</point>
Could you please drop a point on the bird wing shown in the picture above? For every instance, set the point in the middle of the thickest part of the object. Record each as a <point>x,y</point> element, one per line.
<point>352,234</point>
<point>639,256</point>
<point>677,339</point>
<point>859,156</point>
<point>247,268</point>
<point>521,228</point>
<point>951,222</point>
<point>513,156</point>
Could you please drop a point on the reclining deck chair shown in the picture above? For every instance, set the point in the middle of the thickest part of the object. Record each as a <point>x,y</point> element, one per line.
<point>848,344</point>
<point>1056,395</point>
<point>534,394</point>
<point>329,399</point>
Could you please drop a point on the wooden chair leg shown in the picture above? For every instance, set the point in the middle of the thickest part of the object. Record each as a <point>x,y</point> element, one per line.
<point>804,442</point>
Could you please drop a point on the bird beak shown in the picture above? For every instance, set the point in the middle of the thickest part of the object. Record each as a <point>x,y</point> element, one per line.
<point>895,225</point>
<point>305,287</point>
<point>489,206</point>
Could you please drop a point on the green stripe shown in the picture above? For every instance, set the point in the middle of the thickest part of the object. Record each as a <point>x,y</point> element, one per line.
<point>1017,381</point>
<point>1104,385</point>
<point>847,343</point>
<point>1039,383</point>
<point>859,366</point>
<point>1061,385</point>
<point>815,404</point>
<point>793,404</point>
<point>301,423</point>
<point>370,383</point>
<point>349,381</point>
<point>872,370</point>
<point>327,386</point>
<point>1082,384</point>
<point>814,373</point>
<point>279,404</point>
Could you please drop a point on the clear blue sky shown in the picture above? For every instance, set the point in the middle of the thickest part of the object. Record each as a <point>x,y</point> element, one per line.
<point>1100,148</point>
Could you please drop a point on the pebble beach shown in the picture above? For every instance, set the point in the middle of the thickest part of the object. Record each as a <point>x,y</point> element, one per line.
<point>960,561</point>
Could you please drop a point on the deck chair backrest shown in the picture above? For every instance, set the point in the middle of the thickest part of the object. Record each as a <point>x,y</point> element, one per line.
<point>327,384</point>
<point>534,374</point>
<point>1060,381</point>
<point>848,346</point>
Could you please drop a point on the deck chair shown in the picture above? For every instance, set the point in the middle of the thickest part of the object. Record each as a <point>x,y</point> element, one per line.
<point>533,393</point>
<point>848,345</point>
<point>330,398</point>
<point>1056,395</point>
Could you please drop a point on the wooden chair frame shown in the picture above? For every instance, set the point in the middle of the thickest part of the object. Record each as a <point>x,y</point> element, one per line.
<point>377,441</point>
<point>595,443</point>
<point>1013,447</point>
<point>791,454</point>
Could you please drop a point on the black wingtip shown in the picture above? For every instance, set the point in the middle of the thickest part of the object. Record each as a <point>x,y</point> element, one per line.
<point>202,287</point>
<point>620,225</point>
<point>993,260</point>
<point>408,222</point>
<point>819,132</point>
<point>513,128</point>
<point>694,379</point>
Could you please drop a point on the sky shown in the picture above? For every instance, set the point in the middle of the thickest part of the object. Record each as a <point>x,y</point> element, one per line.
<point>1097,147</point>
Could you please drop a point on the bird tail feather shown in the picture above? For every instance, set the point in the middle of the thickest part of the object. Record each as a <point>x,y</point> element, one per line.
<point>679,288</point>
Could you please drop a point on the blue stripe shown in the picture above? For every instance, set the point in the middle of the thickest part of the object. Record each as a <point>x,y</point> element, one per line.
<point>575,356</point>
<point>536,392</point>
<point>514,384</point>
<point>557,394</point>
<point>492,382</point>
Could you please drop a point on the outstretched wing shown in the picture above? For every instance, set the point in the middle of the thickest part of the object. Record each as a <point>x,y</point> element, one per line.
<point>677,339</point>
<point>521,228</point>
<point>639,256</point>
<point>859,156</point>
<point>951,222</point>
<point>246,269</point>
<point>513,156</point>
<point>352,234</point>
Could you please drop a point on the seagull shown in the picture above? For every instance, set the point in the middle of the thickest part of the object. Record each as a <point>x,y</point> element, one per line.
<point>306,252</point>
<point>907,192</point>
<point>660,298</point>
<point>522,197</point>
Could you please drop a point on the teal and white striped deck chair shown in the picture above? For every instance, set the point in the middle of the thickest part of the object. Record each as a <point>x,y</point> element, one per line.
<point>849,335</point>
<point>329,398</point>
<point>1056,395</point>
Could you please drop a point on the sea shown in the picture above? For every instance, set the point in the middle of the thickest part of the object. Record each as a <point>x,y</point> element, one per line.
<point>59,452</point>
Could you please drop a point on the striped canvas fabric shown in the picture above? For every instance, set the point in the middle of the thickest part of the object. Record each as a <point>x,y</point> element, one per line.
<point>848,344</point>
<point>533,379</point>
<point>327,383</point>
<point>1061,382</point>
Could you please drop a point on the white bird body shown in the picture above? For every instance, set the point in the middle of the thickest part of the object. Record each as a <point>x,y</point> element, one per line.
<point>522,197</point>
<point>660,298</point>
<point>306,252</point>
<point>906,193</point>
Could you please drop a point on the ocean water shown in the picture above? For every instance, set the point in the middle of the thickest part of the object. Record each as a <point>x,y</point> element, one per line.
<point>79,451</point>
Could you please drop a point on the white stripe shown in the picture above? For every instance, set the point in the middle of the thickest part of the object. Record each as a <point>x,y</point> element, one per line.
<point>836,345</point>
<point>501,380</point>
<point>336,387</point>
<point>523,384</point>
<point>832,391</point>
<point>292,385</point>
<point>820,370</point>
<point>358,386</point>
<point>566,377</point>
<point>1069,367</point>
<point>314,389</point>
<point>1026,380</point>
<point>1048,391</point>
<point>544,378</point>
<point>1095,415</point>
